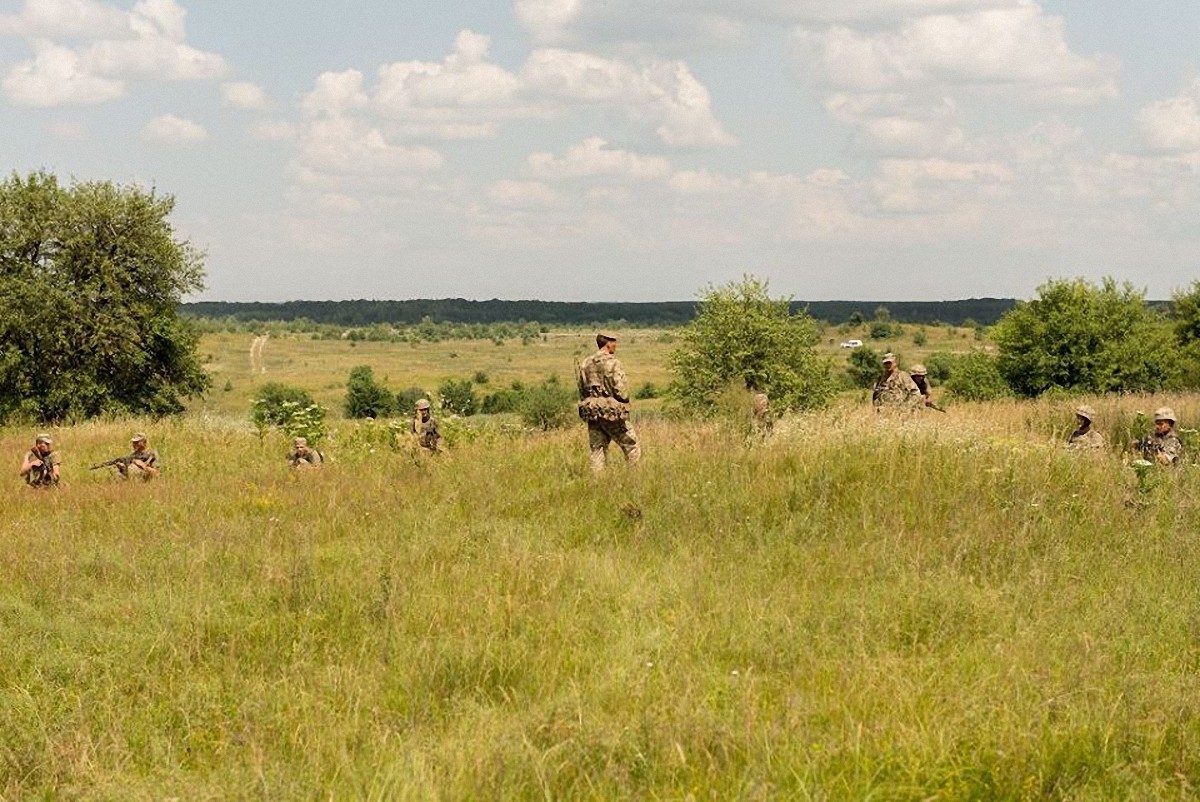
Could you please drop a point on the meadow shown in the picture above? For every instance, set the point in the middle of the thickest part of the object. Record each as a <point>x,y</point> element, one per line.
<point>953,608</point>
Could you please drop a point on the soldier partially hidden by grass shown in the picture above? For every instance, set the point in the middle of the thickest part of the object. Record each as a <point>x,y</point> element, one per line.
<point>1162,446</point>
<point>303,455</point>
<point>425,427</point>
<point>141,463</point>
<point>1085,438</point>
<point>896,391</point>
<point>604,404</point>
<point>42,466</point>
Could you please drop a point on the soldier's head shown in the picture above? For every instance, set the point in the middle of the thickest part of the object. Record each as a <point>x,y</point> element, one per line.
<point>1164,420</point>
<point>606,342</point>
<point>889,362</point>
<point>1084,416</point>
<point>301,445</point>
<point>138,441</point>
<point>43,444</point>
<point>424,409</point>
<point>762,403</point>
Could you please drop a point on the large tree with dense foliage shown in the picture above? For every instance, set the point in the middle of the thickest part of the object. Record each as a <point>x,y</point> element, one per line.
<point>1078,335</point>
<point>91,277</point>
<point>743,336</point>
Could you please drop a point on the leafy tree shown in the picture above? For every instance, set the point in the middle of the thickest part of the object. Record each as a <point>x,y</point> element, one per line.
<point>91,278</point>
<point>458,397</point>
<point>1187,314</point>
<point>1081,336</point>
<point>366,398</point>
<point>977,377</point>
<point>741,335</point>
<point>865,367</point>
<point>547,406</point>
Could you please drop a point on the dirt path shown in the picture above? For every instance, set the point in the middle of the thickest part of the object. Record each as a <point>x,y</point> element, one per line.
<point>256,354</point>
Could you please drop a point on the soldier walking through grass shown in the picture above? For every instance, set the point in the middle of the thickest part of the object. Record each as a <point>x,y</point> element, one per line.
<point>1162,446</point>
<point>425,427</point>
<point>604,404</point>
<point>42,466</point>
<point>896,391</point>
<point>1085,438</point>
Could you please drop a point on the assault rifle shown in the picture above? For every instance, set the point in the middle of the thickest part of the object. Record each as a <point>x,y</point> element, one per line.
<point>935,407</point>
<point>120,462</point>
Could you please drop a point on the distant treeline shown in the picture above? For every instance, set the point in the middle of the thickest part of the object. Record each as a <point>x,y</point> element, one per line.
<point>983,311</point>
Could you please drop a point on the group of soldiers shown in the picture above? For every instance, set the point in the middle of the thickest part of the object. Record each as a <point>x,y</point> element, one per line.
<point>899,391</point>
<point>604,402</point>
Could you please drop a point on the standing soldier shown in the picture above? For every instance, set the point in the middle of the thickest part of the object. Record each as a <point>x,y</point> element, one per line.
<point>604,404</point>
<point>919,374</point>
<point>302,456</point>
<point>895,390</point>
<point>425,427</point>
<point>762,420</point>
<point>1161,446</point>
<point>42,465</point>
<point>1085,438</point>
<point>142,463</point>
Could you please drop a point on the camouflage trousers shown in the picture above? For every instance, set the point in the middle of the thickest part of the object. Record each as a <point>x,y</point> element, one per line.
<point>603,432</point>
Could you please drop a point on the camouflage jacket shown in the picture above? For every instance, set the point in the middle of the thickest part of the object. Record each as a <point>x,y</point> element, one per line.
<point>603,388</point>
<point>1164,448</point>
<point>427,433</point>
<point>897,390</point>
<point>310,456</point>
<point>1089,440</point>
<point>43,475</point>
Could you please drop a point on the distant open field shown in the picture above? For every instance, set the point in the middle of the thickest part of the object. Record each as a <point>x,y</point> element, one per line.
<point>954,609</point>
<point>321,366</point>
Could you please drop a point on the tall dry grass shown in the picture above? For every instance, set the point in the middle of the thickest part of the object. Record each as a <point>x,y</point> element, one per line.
<point>951,609</point>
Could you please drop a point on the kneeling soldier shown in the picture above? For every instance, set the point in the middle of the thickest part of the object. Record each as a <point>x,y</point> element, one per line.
<point>142,463</point>
<point>302,456</point>
<point>425,427</point>
<point>42,465</point>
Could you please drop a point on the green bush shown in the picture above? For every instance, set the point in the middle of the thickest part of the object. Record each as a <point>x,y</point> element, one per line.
<point>547,406</point>
<point>647,391</point>
<point>268,408</point>
<point>920,338</point>
<point>481,377</point>
<point>977,377</point>
<point>864,367</point>
<point>458,397</point>
<point>940,366</point>
<point>406,401</point>
<point>740,334</point>
<point>365,398</point>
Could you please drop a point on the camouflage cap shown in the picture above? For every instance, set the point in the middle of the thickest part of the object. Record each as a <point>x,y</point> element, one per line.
<point>300,441</point>
<point>918,370</point>
<point>43,439</point>
<point>1086,412</point>
<point>138,438</point>
<point>424,404</point>
<point>1164,413</point>
<point>889,357</point>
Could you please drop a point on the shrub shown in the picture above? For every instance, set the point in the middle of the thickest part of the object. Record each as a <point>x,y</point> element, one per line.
<point>458,397</point>
<point>481,377</point>
<point>406,401</point>
<point>865,367</point>
<point>547,406</point>
<point>268,406</point>
<point>920,338</point>
<point>940,366</point>
<point>365,398</point>
<point>977,377</point>
<point>647,391</point>
<point>741,334</point>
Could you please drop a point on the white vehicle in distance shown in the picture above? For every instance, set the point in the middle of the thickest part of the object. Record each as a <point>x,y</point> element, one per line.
<point>852,344</point>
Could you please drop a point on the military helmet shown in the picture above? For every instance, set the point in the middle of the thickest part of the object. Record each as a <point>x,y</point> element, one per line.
<point>138,438</point>
<point>300,442</point>
<point>1086,412</point>
<point>918,370</point>
<point>424,404</point>
<point>43,439</point>
<point>1164,413</point>
<point>889,357</point>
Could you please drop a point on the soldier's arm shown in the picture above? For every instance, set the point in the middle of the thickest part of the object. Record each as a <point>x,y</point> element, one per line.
<point>620,383</point>
<point>27,464</point>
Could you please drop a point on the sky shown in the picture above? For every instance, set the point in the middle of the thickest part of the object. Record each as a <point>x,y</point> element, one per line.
<point>629,150</point>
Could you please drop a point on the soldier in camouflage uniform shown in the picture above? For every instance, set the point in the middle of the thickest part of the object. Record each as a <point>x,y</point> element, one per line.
<point>302,456</point>
<point>604,404</point>
<point>425,427</point>
<point>142,463</point>
<point>1085,438</point>
<point>42,466</point>
<point>895,390</point>
<point>1162,446</point>
<point>762,419</point>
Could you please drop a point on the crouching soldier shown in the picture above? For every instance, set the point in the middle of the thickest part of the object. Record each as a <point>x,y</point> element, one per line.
<point>303,456</point>
<point>42,465</point>
<point>425,427</point>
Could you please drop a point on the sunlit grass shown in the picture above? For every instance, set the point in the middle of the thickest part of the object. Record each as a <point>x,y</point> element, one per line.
<point>950,609</point>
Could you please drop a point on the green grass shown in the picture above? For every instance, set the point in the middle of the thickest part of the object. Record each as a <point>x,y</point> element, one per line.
<point>955,610</point>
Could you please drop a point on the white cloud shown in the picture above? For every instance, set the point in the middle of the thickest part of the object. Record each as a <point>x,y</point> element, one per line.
<point>466,96</point>
<point>56,77</point>
<point>243,95</point>
<point>172,130</point>
<point>343,148</point>
<point>68,130</point>
<point>525,195</point>
<point>145,43</point>
<point>1173,124</point>
<point>593,157</point>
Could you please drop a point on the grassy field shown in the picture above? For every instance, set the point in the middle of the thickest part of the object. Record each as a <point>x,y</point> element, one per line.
<point>953,609</point>
<point>321,366</point>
